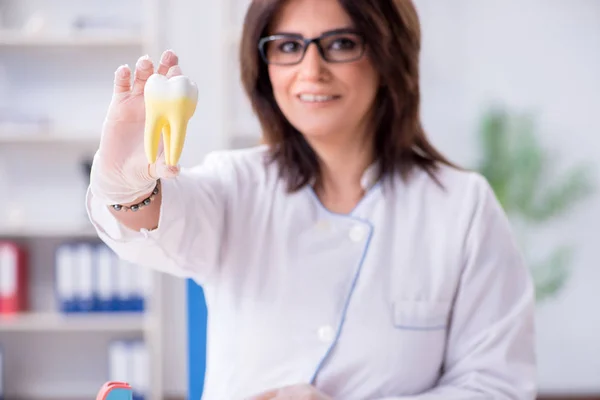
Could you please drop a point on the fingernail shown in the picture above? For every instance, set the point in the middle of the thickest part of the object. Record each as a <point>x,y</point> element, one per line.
<point>176,69</point>
<point>123,70</point>
<point>166,56</point>
<point>143,62</point>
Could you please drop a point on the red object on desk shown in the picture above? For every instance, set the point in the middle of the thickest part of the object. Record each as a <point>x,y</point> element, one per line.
<point>13,278</point>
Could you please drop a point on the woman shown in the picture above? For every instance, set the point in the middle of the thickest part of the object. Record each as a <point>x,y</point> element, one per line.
<point>345,258</point>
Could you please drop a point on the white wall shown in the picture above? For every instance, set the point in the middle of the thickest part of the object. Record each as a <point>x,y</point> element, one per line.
<point>542,56</point>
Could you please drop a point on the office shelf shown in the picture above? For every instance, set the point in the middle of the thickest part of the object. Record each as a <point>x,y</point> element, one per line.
<point>64,138</point>
<point>82,322</point>
<point>48,231</point>
<point>16,39</point>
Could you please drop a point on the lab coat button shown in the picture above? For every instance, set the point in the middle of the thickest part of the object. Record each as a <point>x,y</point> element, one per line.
<point>326,333</point>
<point>357,233</point>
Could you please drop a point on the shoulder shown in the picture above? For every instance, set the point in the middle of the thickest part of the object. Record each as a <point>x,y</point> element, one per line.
<point>452,196</point>
<point>449,185</point>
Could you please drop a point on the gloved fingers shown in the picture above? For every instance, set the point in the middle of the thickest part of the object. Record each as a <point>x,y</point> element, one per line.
<point>160,169</point>
<point>175,70</point>
<point>143,69</point>
<point>122,81</point>
<point>167,60</point>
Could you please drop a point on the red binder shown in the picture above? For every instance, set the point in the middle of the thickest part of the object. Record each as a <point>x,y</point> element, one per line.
<point>13,278</point>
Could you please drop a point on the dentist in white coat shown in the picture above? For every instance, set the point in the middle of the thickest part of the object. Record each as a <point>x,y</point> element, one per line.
<point>345,258</point>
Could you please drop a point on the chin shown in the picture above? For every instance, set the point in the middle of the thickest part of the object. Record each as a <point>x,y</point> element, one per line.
<point>318,125</point>
<point>317,132</point>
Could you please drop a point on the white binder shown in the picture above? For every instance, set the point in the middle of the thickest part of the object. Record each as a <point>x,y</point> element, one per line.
<point>65,278</point>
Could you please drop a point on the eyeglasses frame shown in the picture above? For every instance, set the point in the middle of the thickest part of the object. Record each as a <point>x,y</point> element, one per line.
<point>307,42</point>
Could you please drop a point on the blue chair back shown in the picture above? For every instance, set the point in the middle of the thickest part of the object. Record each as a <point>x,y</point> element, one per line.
<point>196,339</point>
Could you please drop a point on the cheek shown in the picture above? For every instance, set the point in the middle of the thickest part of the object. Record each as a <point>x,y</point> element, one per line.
<point>369,80</point>
<point>280,82</point>
<point>364,88</point>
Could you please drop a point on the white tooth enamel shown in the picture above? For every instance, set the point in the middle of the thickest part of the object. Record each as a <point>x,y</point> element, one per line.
<point>160,87</point>
<point>311,98</point>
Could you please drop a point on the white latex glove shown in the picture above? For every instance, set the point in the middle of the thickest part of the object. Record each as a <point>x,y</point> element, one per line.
<point>120,171</point>
<point>301,391</point>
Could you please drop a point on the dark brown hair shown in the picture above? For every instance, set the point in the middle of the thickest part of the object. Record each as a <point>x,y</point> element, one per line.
<point>393,37</point>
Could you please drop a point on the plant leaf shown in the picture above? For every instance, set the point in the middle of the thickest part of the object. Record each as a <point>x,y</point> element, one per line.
<point>562,195</point>
<point>551,274</point>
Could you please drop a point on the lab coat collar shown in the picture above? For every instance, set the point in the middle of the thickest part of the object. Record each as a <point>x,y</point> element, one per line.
<point>368,179</point>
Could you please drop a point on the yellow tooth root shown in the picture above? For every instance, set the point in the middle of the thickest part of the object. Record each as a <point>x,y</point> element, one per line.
<point>167,142</point>
<point>170,103</point>
<point>178,121</point>
<point>154,125</point>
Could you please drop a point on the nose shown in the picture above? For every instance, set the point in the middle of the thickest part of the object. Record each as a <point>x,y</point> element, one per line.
<point>311,66</point>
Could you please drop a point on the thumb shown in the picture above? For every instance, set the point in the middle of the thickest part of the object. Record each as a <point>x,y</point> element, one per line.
<point>160,169</point>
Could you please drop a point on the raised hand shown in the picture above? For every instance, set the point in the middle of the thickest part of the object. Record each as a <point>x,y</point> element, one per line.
<point>121,172</point>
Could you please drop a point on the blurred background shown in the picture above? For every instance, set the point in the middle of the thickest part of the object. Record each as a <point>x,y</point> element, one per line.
<point>510,88</point>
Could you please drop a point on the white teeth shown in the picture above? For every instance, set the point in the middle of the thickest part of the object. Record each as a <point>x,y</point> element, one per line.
<point>315,98</point>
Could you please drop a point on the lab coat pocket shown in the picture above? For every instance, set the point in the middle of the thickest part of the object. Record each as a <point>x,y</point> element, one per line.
<point>417,344</point>
<point>420,315</point>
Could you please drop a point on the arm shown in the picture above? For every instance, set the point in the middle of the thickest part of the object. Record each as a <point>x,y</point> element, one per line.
<point>146,217</point>
<point>188,216</point>
<point>490,353</point>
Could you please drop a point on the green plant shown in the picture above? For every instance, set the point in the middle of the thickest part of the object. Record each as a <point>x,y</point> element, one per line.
<point>524,178</point>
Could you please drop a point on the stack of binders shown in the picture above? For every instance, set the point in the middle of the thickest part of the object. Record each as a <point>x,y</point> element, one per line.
<point>128,362</point>
<point>13,278</point>
<point>91,278</point>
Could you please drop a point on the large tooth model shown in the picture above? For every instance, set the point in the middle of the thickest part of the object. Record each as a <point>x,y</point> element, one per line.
<point>170,103</point>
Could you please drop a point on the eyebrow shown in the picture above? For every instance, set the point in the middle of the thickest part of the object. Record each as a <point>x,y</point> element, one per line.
<point>331,32</point>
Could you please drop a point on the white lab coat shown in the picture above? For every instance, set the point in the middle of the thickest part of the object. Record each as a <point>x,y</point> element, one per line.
<point>419,293</point>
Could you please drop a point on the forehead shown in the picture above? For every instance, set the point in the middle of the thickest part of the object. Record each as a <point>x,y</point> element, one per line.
<point>310,17</point>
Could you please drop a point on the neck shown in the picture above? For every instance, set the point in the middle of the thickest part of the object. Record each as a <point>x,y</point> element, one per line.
<point>342,166</point>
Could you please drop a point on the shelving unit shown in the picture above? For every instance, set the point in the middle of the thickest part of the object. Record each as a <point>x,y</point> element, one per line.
<point>48,232</point>
<point>63,138</point>
<point>50,70</point>
<point>46,322</point>
<point>16,39</point>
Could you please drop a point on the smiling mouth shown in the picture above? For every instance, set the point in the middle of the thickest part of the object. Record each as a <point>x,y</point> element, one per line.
<point>317,98</point>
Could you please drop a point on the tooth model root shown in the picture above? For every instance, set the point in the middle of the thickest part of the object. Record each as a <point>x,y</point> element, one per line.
<point>170,103</point>
<point>179,115</point>
<point>154,126</point>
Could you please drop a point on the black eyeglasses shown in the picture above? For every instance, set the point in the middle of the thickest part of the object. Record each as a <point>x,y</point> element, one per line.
<point>337,46</point>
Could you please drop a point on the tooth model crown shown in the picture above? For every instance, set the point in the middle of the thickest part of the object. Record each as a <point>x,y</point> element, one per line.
<point>170,103</point>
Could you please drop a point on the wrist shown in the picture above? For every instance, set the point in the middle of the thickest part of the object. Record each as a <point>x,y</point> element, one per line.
<point>140,202</point>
